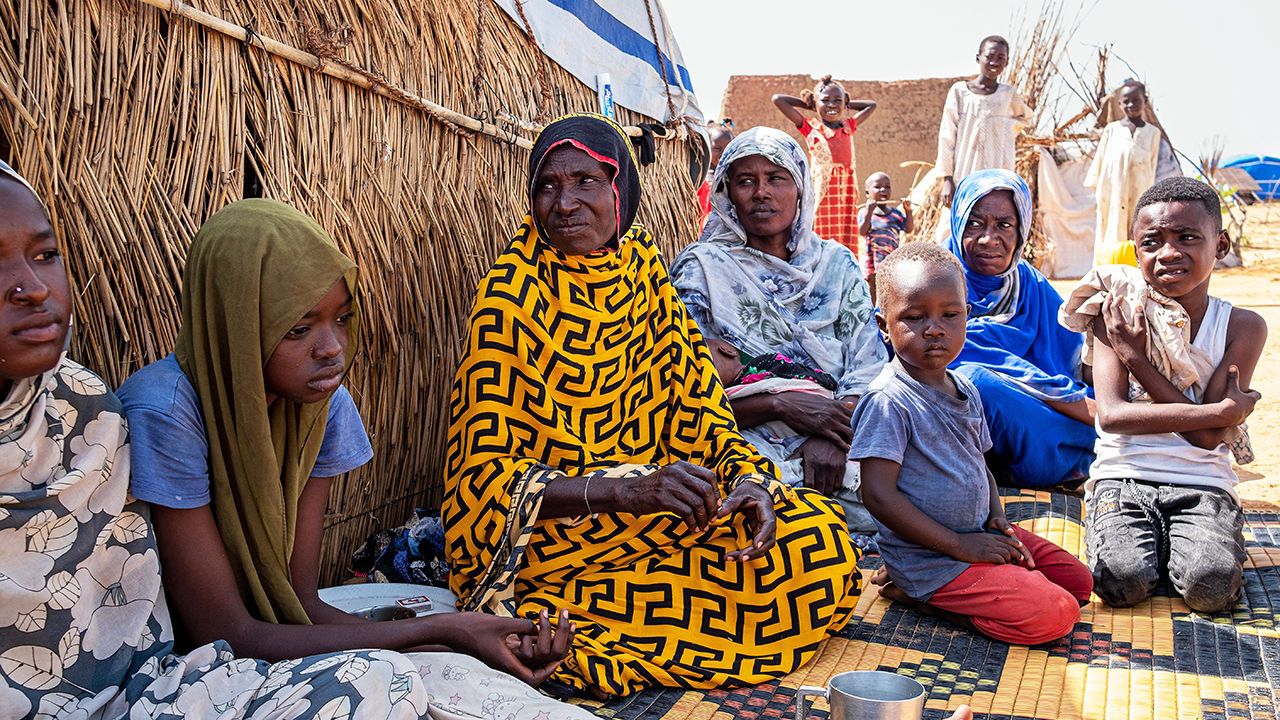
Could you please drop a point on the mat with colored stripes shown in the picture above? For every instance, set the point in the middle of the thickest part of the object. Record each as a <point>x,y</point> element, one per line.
<point>1157,660</point>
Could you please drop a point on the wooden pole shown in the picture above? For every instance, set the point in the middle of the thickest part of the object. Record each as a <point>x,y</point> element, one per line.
<point>336,70</point>
<point>341,71</point>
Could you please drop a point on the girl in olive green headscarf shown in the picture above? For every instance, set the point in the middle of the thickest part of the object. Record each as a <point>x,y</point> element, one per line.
<point>236,438</point>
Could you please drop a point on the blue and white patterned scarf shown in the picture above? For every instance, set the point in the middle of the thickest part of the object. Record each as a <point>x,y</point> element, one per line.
<point>813,307</point>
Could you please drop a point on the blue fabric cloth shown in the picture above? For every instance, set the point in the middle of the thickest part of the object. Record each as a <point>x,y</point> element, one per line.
<point>938,441</point>
<point>170,461</point>
<point>1042,446</point>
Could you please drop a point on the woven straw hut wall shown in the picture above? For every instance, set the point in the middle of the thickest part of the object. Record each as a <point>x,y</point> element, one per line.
<point>903,128</point>
<point>136,124</point>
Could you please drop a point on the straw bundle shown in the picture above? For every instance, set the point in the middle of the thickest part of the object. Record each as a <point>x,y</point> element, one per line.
<point>136,124</point>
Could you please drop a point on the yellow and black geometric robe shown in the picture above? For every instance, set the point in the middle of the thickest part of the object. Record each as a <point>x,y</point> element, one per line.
<point>590,364</point>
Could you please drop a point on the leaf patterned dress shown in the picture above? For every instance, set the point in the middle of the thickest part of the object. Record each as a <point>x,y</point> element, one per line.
<point>84,630</point>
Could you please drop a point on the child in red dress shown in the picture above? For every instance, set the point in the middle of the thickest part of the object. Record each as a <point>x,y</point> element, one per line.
<point>831,154</point>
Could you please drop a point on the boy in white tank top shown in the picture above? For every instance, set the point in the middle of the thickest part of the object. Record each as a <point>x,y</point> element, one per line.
<point>1160,497</point>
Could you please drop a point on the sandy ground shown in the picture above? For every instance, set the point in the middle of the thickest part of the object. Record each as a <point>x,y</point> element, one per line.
<point>1257,287</point>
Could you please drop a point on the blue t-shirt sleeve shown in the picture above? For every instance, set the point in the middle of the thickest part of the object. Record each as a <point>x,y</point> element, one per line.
<point>346,444</point>
<point>880,429</point>
<point>168,449</point>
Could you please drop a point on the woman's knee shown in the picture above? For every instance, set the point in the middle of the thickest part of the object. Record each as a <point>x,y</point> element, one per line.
<point>817,524</point>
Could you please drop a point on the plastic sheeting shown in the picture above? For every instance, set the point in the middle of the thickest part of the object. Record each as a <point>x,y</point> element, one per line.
<point>588,37</point>
<point>1068,215</point>
<point>1262,168</point>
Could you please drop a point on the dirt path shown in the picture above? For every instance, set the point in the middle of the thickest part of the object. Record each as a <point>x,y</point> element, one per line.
<point>1257,287</point>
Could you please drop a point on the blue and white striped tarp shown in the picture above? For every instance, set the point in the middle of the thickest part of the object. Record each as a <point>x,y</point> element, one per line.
<point>589,37</point>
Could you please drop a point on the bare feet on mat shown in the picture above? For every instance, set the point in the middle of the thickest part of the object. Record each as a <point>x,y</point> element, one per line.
<point>880,576</point>
<point>888,590</point>
<point>893,593</point>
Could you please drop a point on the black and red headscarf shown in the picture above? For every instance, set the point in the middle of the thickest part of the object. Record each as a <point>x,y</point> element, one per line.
<point>606,142</point>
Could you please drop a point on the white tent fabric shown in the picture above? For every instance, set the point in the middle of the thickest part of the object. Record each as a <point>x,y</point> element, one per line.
<point>589,37</point>
<point>1068,215</point>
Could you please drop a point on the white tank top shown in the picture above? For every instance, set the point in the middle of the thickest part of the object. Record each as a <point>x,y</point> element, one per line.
<point>1169,457</point>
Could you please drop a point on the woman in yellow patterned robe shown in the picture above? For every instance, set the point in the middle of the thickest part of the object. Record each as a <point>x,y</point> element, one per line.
<point>594,463</point>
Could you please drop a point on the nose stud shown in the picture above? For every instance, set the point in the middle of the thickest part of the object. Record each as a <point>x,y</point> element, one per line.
<point>18,290</point>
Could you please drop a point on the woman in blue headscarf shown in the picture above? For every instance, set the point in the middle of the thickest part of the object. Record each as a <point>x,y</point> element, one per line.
<point>1025,365</point>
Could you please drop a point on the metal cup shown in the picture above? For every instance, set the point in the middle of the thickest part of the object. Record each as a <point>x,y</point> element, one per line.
<point>868,695</point>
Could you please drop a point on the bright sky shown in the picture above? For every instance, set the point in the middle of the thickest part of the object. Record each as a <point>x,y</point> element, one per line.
<point>1210,65</point>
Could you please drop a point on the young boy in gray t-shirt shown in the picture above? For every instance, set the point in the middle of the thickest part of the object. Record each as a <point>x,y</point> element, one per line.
<point>920,436</point>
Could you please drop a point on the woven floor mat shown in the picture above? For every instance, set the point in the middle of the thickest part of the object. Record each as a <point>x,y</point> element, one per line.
<point>1157,660</point>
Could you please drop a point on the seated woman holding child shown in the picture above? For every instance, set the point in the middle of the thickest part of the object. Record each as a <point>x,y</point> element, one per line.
<point>762,281</point>
<point>594,462</point>
<point>84,624</point>
<point>1025,365</point>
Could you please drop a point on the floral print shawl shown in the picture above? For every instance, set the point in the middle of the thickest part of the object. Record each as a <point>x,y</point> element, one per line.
<point>814,308</point>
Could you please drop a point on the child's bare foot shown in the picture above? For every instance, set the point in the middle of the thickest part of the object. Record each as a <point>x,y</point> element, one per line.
<point>880,576</point>
<point>892,592</point>
<point>962,713</point>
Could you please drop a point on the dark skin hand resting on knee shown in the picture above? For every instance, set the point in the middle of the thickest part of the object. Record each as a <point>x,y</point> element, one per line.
<point>574,202</point>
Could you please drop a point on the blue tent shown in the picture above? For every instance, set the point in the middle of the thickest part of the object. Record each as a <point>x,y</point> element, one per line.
<point>1263,168</point>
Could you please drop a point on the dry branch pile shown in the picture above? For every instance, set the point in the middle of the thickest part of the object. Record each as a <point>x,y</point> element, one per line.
<point>135,125</point>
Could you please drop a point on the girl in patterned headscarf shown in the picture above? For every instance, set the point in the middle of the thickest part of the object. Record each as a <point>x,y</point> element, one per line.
<point>594,462</point>
<point>1025,364</point>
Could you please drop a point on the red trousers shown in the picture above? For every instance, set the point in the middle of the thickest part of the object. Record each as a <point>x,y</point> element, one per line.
<point>1019,606</point>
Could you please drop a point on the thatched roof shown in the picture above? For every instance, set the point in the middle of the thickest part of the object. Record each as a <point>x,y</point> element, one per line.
<point>903,128</point>
<point>136,124</point>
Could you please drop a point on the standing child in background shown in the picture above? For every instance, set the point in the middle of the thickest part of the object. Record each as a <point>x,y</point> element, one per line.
<point>882,225</point>
<point>1170,373</point>
<point>980,121</point>
<point>831,154</point>
<point>920,435</point>
<point>720,133</point>
<point>1124,165</point>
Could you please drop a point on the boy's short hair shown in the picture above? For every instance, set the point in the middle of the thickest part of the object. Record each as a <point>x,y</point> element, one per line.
<point>874,175</point>
<point>1131,83</point>
<point>922,251</point>
<point>995,40</point>
<point>1182,189</point>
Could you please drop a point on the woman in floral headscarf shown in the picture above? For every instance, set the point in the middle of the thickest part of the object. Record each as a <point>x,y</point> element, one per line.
<point>763,281</point>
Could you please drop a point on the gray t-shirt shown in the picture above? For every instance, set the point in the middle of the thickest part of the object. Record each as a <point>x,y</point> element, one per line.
<point>939,441</point>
